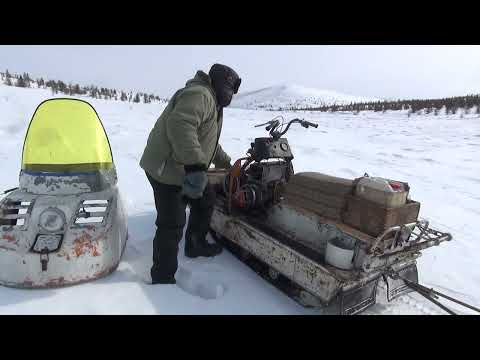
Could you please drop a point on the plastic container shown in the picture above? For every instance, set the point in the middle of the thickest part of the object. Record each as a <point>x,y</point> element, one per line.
<point>385,192</point>
<point>340,252</point>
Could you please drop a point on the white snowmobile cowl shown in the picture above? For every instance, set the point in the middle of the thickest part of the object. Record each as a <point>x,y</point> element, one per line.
<point>66,223</point>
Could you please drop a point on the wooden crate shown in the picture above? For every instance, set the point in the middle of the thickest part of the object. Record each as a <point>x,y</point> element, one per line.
<point>373,219</point>
<point>317,182</point>
<point>315,207</point>
<point>319,193</point>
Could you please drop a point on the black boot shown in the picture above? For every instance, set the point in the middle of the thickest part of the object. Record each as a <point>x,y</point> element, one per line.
<point>200,216</point>
<point>196,246</point>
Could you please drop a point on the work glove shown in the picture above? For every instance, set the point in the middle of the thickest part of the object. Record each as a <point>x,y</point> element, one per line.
<point>194,182</point>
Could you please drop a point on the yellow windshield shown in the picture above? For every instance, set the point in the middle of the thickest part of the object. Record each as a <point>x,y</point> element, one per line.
<point>66,135</point>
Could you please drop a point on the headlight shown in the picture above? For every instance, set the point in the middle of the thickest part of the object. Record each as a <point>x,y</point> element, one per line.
<point>52,220</point>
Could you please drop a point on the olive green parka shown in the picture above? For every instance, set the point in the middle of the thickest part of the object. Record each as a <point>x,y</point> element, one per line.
<point>186,133</point>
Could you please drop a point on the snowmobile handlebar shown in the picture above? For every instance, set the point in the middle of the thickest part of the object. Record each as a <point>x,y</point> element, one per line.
<point>274,124</point>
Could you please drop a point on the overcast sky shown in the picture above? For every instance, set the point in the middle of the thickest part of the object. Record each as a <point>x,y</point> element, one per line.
<point>379,71</point>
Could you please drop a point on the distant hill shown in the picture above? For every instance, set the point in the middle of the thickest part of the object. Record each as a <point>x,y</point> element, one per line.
<point>291,96</point>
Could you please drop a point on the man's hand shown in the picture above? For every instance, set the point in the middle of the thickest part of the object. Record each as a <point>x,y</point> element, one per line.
<point>194,183</point>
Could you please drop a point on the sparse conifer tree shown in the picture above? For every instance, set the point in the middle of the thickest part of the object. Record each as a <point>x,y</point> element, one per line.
<point>21,82</point>
<point>27,79</point>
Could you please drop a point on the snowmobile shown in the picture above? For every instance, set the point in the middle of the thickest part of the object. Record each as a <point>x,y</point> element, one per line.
<point>65,223</point>
<point>315,236</point>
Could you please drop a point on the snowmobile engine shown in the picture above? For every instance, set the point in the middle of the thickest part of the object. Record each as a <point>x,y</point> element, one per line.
<point>260,181</point>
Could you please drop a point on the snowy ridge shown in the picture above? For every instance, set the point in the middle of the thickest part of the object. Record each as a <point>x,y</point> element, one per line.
<point>288,96</point>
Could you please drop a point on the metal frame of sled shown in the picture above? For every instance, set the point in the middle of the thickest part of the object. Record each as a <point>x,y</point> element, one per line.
<point>322,285</point>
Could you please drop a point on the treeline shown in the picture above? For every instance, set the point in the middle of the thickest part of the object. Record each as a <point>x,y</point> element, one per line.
<point>451,105</point>
<point>24,80</point>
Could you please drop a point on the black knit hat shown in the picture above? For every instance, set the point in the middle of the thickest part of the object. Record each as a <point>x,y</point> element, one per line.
<point>223,75</point>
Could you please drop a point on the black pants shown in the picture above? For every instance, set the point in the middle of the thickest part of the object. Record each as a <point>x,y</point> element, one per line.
<point>170,222</point>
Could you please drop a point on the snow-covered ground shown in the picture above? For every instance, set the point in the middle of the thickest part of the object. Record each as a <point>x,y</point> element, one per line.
<point>292,96</point>
<point>437,155</point>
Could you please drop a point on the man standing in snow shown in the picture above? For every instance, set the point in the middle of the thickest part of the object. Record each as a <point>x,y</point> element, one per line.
<point>180,149</point>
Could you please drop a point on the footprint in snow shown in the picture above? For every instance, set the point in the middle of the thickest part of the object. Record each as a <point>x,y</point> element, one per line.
<point>199,284</point>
